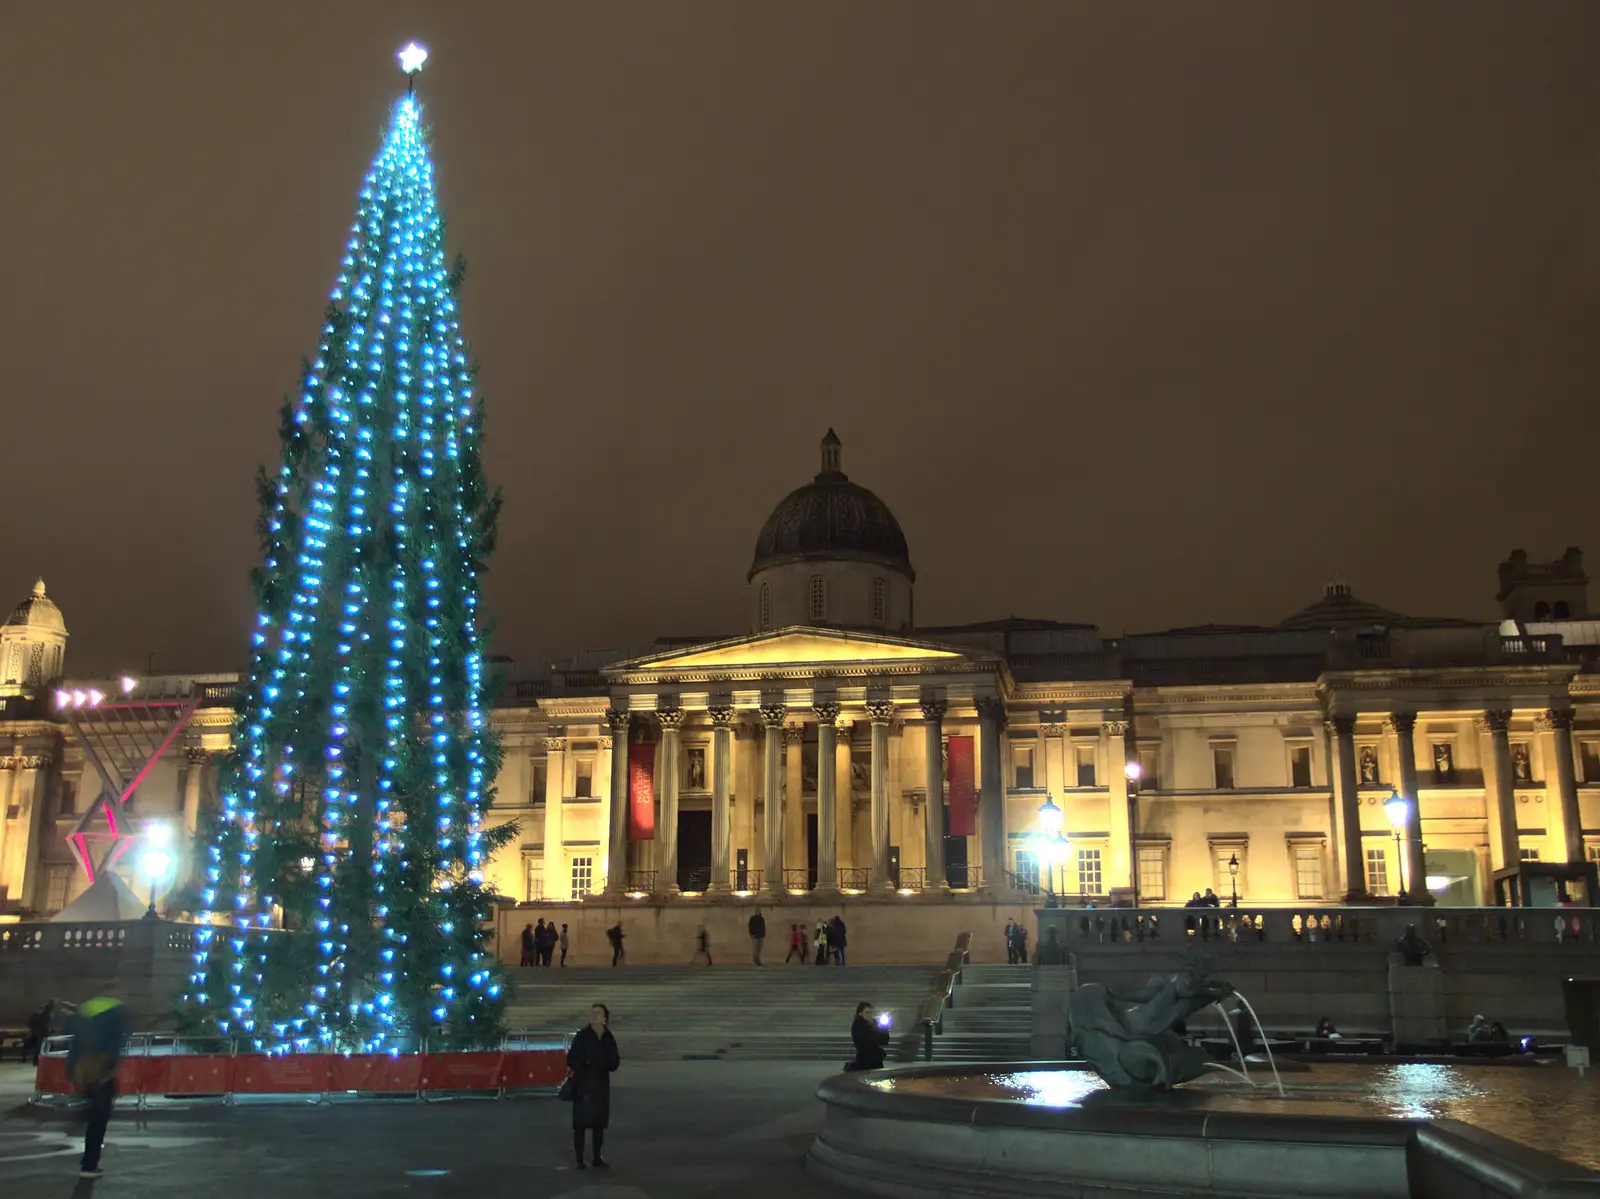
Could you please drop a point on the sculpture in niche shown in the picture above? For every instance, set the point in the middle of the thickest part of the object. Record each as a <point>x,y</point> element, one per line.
<point>1444,761</point>
<point>860,777</point>
<point>697,769</point>
<point>1132,1038</point>
<point>1521,766</point>
<point>1369,765</point>
<point>808,768</point>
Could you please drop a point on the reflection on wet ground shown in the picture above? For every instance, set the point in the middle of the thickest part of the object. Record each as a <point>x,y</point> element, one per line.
<point>1546,1107</point>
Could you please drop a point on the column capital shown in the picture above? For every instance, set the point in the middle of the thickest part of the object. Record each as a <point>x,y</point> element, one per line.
<point>721,716</point>
<point>670,719</point>
<point>1341,724</point>
<point>1403,723</point>
<point>880,711</point>
<point>826,712</point>
<point>618,720</point>
<point>1053,730</point>
<point>1559,718</point>
<point>555,744</point>
<point>1116,728</point>
<point>1497,720</point>
<point>197,756</point>
<point>604,741</point>
<point>934,709</point>
<point>25,762</point>
<point>992,707</point>
<point>794,734</point>
<point>773,715</point>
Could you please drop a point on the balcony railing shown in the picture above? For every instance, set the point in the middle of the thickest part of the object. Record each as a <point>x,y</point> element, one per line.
<point>641,882</point>
<point>854,878</point>
<point>747,881</point>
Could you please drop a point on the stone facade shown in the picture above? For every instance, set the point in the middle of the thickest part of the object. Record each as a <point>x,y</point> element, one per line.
<point>800,758</point>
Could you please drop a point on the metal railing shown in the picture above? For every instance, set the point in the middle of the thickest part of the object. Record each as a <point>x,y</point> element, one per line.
<point>641,882</point>
<point>854,878</point>
<point>912,878</point>
<point>942,994</point>
<point>798,878</point>
<point>748,881</point>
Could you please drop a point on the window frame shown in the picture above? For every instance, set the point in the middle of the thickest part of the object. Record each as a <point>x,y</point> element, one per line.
<point>817,597</point>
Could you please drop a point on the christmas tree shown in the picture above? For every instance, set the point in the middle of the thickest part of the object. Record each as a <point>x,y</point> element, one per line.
<point>344,887</point>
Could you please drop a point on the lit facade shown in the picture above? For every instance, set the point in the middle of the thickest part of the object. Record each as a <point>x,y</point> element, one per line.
<point>801,756</point>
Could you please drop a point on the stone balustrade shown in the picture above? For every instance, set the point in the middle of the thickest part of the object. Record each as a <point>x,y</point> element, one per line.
<point>1442,928</point>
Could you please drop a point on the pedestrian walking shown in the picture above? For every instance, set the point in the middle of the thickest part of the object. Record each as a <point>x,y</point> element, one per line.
<point>529,945</point>
<point>564,945</point>
<point>758,935</point>
<point>838,939</point>
<point>38,1030</point>
<point>702,947</point>
<point>591,1061</point>
<point>796,945</point>
<point>614,935</point>
<point>538,943</point>
<point>99,1031</point>
<point>1011,942</point>
<point>821,942</point>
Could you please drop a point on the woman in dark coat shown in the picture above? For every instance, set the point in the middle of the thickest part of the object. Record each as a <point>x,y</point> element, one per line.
<point>591,1060</point>
<point>869,1039</point>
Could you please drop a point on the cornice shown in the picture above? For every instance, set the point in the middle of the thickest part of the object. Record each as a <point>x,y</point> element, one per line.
<point>1494,678</point>
<point>808,671</point>
<point>1095,691</point>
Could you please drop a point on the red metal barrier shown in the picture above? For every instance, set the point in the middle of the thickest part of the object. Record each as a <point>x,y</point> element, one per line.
<point>181,1074</point>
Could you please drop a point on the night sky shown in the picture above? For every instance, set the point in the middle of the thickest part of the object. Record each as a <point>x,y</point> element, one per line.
<point>1144,315</point>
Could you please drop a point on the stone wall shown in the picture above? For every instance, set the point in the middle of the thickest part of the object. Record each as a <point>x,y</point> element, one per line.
<point>148,959</point>
<point>896,930</point>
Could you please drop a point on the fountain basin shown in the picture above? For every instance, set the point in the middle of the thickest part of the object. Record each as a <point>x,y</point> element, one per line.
<point>963,1131</point>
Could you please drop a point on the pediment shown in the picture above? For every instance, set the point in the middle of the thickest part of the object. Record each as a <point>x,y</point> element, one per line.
<point>791,647</point>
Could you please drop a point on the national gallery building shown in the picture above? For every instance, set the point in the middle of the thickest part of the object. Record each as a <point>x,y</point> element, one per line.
<point>1342,755</point>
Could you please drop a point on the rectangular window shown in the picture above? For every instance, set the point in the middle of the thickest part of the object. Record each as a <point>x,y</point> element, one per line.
<point>1149,772</point>
<point>582,877</point>
<point>1528,854</point>
<point>583,784</point>
<point>56,888</point>
<point>1222,764</point>
<point>1377,871</point>
<point>1084,756</point>
<point>1090,881</point>
<point>1227,880</point>
<point>1152,873</point>
<point>540,776</point>
<point>1589,760</point>
<point>1022,767</point>
<point>1300,766</point>
<point>1592,852</point>
<point>819,598</point>
<point>1028,877</point>
<point>533,871</point>
<point>880,602</point>
<point>69,799</point>
<point>1308,871</point>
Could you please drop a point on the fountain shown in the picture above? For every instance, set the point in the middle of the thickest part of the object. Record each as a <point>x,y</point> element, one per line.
<point>1148,1113</point>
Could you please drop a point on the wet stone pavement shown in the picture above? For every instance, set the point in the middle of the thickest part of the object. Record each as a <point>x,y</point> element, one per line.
<point>678,1129</point>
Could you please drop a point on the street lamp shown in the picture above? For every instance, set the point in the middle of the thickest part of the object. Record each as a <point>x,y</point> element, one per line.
<point>1133,772</point>
<point>1233,874</point>
<point>1398,809</point>
<point>1054,850</point>
<point>1050,818</point>
<point>155,860</point>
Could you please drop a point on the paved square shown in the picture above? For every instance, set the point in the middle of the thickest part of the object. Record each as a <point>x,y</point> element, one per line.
<point>678,1129</point>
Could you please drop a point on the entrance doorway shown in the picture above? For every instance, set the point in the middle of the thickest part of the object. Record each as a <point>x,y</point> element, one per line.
<point>955,857</point>
<point>694,851</point>
<point>811,851</point>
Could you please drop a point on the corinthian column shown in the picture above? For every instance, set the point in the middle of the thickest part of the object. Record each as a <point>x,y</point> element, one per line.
<point>671,720</point>
<point>617,852</point>
<point>1405,727</point>
<point>1503,848</point>
<point>826,713</point>
<point>1343,729</point>
<point>879,714</point>
<point>772,717</point>
<point>991,795</point>
<point>935,878</point>
<point>1559,721</point>
<point>721,790</point>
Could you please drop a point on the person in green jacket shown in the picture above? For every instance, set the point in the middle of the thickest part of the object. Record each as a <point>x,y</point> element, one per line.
<point>99,1030</point>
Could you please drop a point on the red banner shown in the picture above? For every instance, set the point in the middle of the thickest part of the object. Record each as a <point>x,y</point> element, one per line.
<point>962,791</point>
<point>642,792</point>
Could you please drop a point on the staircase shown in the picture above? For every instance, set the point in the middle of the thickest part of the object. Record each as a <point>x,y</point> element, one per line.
<point>673,1013</point>
<point>992,1019</point>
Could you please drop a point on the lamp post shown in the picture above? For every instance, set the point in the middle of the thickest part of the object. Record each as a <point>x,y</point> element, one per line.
<point>1398,809</point>
<point>155,860</point>
<point>1233,876</point>
<point>1050,818</point>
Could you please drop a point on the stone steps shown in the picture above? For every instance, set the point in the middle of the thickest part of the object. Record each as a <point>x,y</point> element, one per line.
<point>991,1019</point>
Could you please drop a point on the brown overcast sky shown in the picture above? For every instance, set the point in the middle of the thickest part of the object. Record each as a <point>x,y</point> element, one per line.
<point>1137,314</point>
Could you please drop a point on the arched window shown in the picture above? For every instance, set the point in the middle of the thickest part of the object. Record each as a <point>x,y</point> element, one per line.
<point>766,607</point>
<point>1541,611</point>
<point>1562,612</point>
<point>880,602</point>
<point>819,598</point>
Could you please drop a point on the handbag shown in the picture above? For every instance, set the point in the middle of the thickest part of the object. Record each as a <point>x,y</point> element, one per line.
<point>569,1088</point>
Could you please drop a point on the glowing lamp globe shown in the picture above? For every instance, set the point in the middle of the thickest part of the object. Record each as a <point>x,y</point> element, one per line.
<point>154,863</point>
<point>1397,809</point>
<point>1049,818</point>
<point>1133,770</point>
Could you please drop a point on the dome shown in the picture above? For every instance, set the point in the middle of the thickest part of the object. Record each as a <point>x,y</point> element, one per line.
<point>38,611</point>
<point>1340,609</point>
<point>831,518</point>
